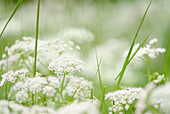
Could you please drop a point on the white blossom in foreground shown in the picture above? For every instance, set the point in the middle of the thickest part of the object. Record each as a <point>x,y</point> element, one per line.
<point>66,65</point>
<point>49,91</point>
<point>39,110</point>
<point>4,107</point>
<point>12,76</point>
<point>160,97</point>
<point>79,35</point>
<point>141,105</point>
<point>79,108</point>
<point>122,99</point>
<point>79,87</point>
<point>147,51</point>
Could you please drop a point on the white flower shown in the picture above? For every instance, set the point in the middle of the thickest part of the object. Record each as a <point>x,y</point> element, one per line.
<point>35,84</point>
<point>123,98</point>
<point>153,41</point>
<point>54,82</point>
<point>66,65</point>
<point>49,91</point>
<point>148,50</point>
<point>4,107</point>
<point>160,96</point>
<point>21,96</point>
<point>11,76</point>
<point>80,87</point>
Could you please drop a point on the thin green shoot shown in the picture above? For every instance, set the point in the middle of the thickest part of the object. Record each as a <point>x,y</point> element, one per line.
<point>103,96</point>
<point>100,80</point>
<point>36,40</point>
<point>130,51</point>
<point>11,16</point>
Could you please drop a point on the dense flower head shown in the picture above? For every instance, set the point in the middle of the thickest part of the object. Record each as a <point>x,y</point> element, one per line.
<point>54,82</point>
<point>122,99</point>
<point>49,91</point>
<point>21,96</point>
<point>147,51</point>
<point>66,65</point>
<point>80,87</point>
<point>12,76</point>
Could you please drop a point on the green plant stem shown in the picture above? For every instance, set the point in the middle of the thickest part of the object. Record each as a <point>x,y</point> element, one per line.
<point>130,50</point>
<point>11,16</point>
<point>62,84</point>
<point>32,100</point>
<point>6,91</point>
<point>72,97</point>
<point>43,101</point>
<point>103,96</point>
<point>36,40</point>
<point>148,70</point>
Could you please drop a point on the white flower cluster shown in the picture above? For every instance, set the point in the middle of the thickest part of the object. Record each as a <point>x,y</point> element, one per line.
<point>80,87</point>
<point>12,76</point>
<point>160,98</point>
<point>148,50</point>
<point>79,108</point>
<point>33,85</point>
<point>122,99</point>
<point>79,35</point>
<point>24,51</point>
<point>66,65</point>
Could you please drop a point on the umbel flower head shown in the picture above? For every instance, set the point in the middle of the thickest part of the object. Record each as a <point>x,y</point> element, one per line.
<point>80,87</point>
<point>66,65</point>
<point>122,99</point>
<point>12,76</point>
<point>147,51</point>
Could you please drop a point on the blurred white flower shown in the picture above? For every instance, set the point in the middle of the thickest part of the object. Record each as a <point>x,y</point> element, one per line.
<point>21,96</point>
<point>49,91</point>
<point>79,108</point>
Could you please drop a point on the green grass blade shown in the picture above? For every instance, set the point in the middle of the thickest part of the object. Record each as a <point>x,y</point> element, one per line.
<point>130,51</point>
<point>100,80</point>
<point>139,47</point>
<point>13,13</point>
<point>167,61</point>
<point>36,41</point>
<point>103,96</point>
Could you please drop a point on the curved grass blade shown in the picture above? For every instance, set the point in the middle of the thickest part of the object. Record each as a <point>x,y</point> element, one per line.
<point>139,47</point>
<point>130,51</point>
<point>36,41</point>
<point>13,13</point>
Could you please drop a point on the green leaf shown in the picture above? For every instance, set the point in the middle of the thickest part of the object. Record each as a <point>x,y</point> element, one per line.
<point>13,13</point>
<point>130,51</point>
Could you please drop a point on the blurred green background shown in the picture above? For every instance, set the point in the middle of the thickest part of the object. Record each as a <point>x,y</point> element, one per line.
<point>113,24</point>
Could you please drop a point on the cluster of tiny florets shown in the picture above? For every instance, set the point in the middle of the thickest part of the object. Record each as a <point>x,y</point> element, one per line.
<point>12,76</point>
<point>22,51</point>
<point>66,65</point>
<point>80,87</point>
<point>148,50</point>
<point>122,99</point>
